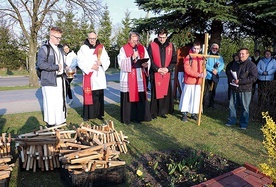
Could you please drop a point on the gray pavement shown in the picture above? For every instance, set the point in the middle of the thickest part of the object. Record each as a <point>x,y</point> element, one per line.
<point>30,100</point>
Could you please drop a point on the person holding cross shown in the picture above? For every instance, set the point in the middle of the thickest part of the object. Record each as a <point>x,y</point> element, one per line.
<point>193,77</point>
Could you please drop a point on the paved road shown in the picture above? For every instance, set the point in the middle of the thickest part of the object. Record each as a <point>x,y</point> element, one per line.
<point>29,100</point>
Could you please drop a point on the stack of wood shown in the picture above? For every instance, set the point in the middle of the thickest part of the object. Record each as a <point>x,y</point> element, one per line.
<point>97,147</point>
<point>5,156</point>
<point>38,149</point>
<point>82,149</point>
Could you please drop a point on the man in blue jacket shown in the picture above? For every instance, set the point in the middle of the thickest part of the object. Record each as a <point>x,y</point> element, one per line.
<point>50,61</point>
<point>213,67</point>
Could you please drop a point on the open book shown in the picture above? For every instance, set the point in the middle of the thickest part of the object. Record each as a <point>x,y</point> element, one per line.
<point>139,62</point>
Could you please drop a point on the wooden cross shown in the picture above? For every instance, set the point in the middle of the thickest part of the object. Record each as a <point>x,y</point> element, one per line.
<point>87,90</point>
<point>206,56</point>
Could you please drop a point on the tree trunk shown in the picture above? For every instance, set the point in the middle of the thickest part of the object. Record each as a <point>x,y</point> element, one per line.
<point>33,79</point>
<point>216,30</point>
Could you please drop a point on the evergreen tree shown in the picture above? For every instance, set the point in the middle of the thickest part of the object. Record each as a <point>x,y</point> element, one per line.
<point>235,19</point>
<point>198,16</point>
<point>69,26</point>
<point>104,34</point>
<point>85,27</point>
<point>11,56</point>
<point>268,8</point>
<point>74,30</point>
<point>123,34</point>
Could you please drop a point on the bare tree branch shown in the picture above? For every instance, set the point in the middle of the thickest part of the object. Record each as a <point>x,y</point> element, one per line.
<point>31,16</point>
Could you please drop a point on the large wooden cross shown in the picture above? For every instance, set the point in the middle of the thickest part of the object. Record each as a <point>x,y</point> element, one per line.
<point>206,56</point>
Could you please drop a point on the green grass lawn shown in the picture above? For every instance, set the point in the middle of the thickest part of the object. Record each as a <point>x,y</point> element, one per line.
<point>160,134</point>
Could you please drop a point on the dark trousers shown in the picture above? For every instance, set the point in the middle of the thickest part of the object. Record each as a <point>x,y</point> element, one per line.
<point>134,111</point>
<point>210,91</point>
<point>68,88</point>
<point>97,108</point>
<point>159,107</point>
<point>264,92</point>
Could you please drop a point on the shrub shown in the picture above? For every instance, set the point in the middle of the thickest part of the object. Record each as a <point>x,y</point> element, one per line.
<point>269,132</point>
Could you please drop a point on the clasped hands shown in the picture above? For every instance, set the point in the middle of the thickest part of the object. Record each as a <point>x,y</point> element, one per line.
<point>163,71</point>
<point>265,73</point>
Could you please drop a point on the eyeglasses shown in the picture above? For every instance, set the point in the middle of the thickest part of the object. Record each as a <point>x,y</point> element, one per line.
<point>92,38</point>
<point>215,48</point>
<point>58,38</point>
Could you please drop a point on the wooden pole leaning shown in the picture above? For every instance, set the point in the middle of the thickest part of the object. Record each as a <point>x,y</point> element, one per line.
<point>203,79</point>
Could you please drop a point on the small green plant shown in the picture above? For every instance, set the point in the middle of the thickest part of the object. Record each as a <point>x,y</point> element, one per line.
<point>269,142</point>
<point>172,167</point>
<point>155,166</point>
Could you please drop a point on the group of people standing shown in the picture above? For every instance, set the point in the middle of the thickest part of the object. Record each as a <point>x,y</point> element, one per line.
<point>160,61</point>
<point>246,75</point>
<point>137,63</point>
<point>54,59</point>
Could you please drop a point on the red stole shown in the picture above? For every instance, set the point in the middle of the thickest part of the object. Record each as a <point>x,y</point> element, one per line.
<point>87,88</point>
<point>132,76</point>
<point>161,81</point>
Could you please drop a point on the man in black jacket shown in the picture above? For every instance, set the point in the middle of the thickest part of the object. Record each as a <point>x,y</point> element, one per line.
<point>241,76</point>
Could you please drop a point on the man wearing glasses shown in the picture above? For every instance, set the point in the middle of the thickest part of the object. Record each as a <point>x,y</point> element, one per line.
<point>50,61</point>
<point>163,60</point>
<point>213,67</point>
<point>93,60</point>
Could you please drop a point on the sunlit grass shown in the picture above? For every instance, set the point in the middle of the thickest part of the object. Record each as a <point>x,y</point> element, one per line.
<point>160,134</point>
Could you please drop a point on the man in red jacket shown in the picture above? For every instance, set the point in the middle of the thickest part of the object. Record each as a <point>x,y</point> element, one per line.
<point>193,77</point>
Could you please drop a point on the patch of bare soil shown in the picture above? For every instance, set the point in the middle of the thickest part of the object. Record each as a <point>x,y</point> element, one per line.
<point>182,167</point>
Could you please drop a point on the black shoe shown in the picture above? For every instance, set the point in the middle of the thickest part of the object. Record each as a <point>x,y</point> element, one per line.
<point>154,117</point>
<point>184,117</point>
<point>194,117</point>
<point>163,116</point>
<point>85,119</point>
